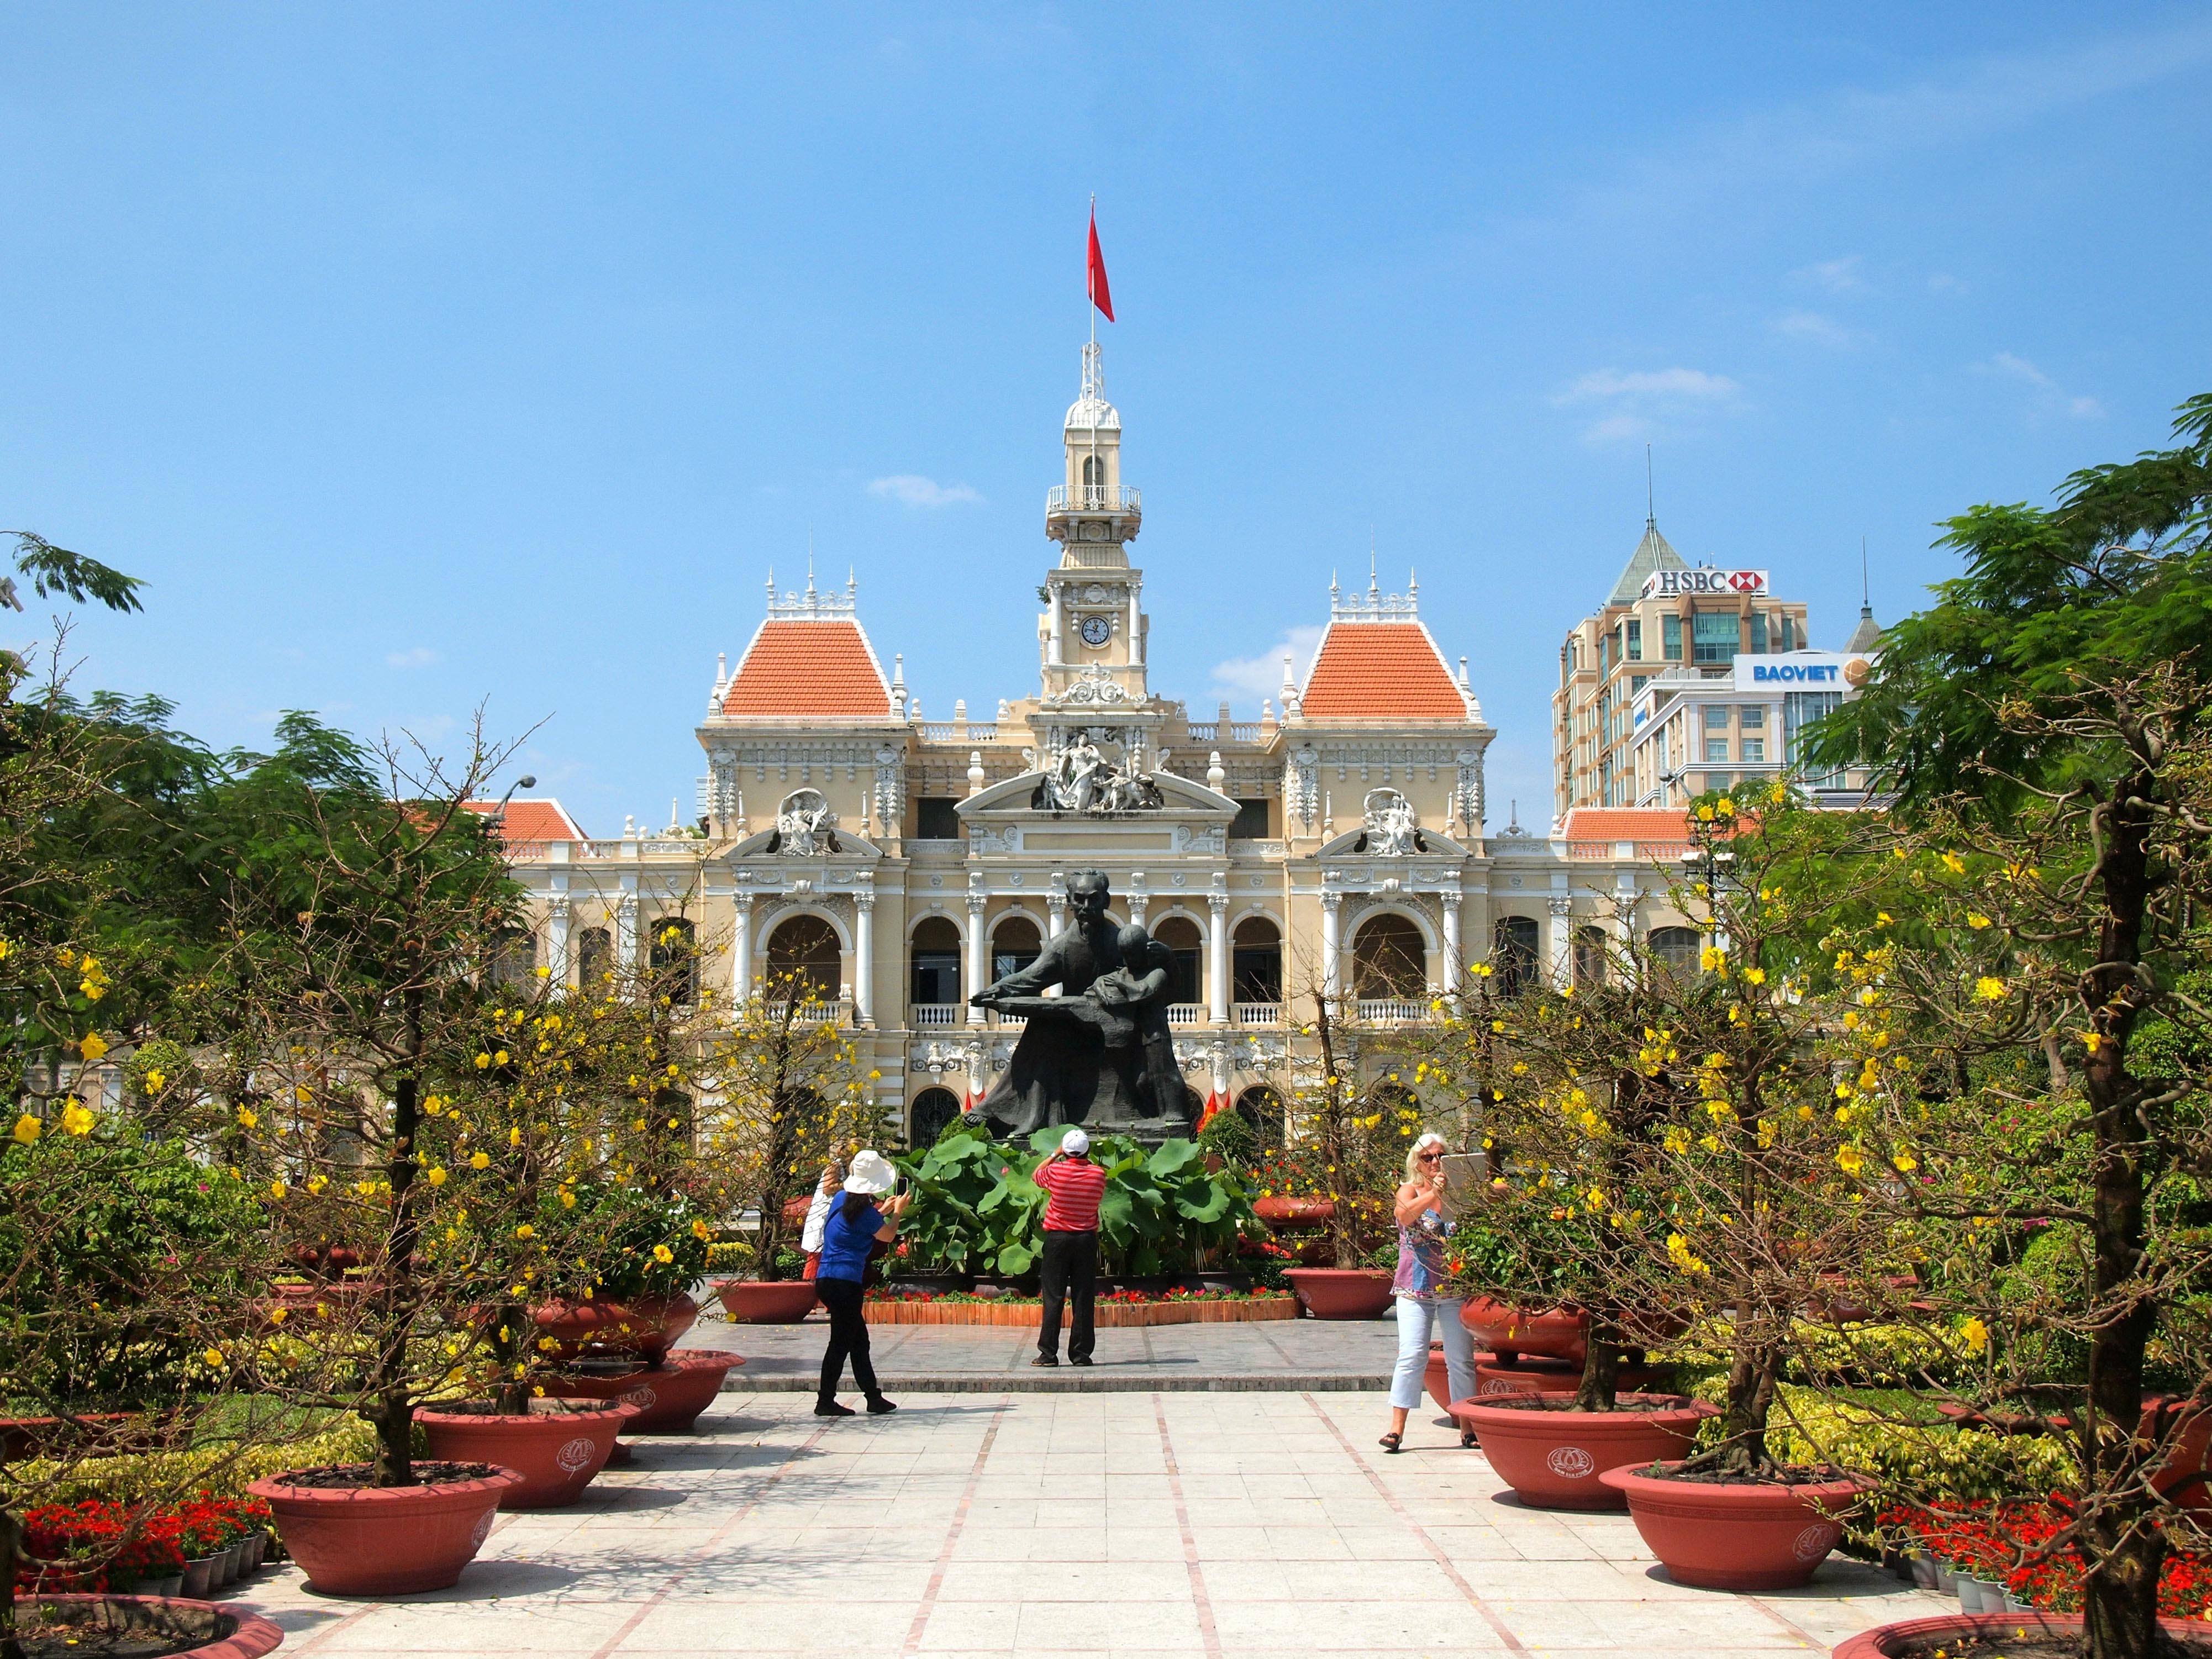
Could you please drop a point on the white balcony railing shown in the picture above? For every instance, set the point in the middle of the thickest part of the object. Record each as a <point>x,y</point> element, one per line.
<point>1225,731</point>
<point>1391,1011</point>
<point>959,731</point>
<point>1186,1013</point>
<point>1093,498</point>
<point>839,1012</point>
<point>930,1015</point>
<point>1259,1013</point>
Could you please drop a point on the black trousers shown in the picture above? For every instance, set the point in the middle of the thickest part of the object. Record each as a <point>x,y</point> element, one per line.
<point>1068,1268</point>
<point>848,1337</point>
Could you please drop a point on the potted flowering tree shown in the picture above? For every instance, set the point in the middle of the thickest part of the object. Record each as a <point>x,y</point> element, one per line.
<point>788,1091</point>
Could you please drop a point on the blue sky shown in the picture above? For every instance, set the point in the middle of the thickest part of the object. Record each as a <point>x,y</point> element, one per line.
<point>420,356</point>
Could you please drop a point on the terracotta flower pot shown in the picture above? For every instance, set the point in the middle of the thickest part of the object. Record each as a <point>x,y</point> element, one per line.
<point>1492,1378</point>
<point>556,1447</point>
<point>669,1397</point>
<point>1437,1380</point>
<point>1559,1333</point>
<point>1992,1631</point>
<point>1736,1535</point>
<point>1341,1293</point>
<point>109,1431</point>
<point>221,1632</point>
<point>384,1540</point>
<point>767,1302</point>
<point>1553,1458</point>
<point>1282,1212</point>
<point>647,1326</point>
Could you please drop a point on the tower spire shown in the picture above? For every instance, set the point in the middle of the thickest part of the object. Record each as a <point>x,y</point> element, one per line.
<point>1650,507</point>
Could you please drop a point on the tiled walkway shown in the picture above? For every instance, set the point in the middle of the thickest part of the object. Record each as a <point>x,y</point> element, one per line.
<point>1286,1353</point>
<point>1165,1522</point>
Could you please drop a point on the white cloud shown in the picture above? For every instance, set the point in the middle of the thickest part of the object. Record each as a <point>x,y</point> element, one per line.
<point>1253,679</point>
<point>1640,398</point>
<point>1836,276</point>
<point>2050,397</point>
<point>912,489</point>
<point>420,656</point>
<point>1815,328</point>
<point>1679,383</point>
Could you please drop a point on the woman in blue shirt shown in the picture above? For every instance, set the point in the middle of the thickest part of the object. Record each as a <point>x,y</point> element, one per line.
<point>855,1225</point>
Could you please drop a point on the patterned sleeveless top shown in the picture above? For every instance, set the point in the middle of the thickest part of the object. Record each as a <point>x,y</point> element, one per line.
<point>1420,1262</point>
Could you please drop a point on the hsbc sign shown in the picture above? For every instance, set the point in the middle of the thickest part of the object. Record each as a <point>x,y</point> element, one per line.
<point>1724,584</point>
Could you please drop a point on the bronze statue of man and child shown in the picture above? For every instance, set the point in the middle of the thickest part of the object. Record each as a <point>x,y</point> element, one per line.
<point>1099,1055</point>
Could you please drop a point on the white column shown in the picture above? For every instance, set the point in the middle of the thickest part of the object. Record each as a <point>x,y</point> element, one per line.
<point>557,942</point>
<point>1053,653</point>
<point>864,953</point>
<point>1136,629</point>
<point>1055,904</point>
<point>1332,968</point>
<point>1562,937</point>
<point>741,951</point>
<point>626,933</point>
<point>1452,962</point>
<point>979,959</point>
<point>1217,969</point>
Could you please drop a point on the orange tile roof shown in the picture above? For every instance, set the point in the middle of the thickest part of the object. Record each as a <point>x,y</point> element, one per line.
<point>1380,670</point>
<point>1626,824</point>
<point>815,666</point>
<point>532,823</point>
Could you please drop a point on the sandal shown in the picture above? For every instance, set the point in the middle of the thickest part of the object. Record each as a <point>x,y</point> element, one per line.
<point>1389,1442</point>
<point>1468,1440</point>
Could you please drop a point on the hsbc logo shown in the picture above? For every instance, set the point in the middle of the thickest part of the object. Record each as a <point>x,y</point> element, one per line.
<point>1675,583</point>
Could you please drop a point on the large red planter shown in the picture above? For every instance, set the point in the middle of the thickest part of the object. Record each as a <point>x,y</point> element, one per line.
<point>1737,1535</point>
<point>647,1326</point>
<point>767,1302</point>
<point>1992,1631</point>
<point>1341,1293</point>
<point>384,1540</point>
<point>1553,1458</point>
<point>669,1397</point>
<point>1284,1213</point>
<point>107,1432</point>
<point>1510,1332</point>
<point>556,1447</point>
<point>231,1633</point>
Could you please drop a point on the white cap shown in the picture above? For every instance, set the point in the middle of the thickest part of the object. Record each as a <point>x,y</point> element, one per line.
<point>1075,1143</point>
<point>871,1173</point>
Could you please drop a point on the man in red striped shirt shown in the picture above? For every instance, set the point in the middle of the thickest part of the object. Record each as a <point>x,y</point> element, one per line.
<point>1069,1263</point>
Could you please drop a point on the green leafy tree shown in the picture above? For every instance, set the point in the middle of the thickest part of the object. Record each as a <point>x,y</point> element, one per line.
<point>2051,704</point>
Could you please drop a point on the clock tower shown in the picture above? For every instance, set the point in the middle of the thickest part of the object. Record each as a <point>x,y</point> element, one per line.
<point>1092,632</point>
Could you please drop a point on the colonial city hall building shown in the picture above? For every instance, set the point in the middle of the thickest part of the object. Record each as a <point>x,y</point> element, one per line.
<point>1337,846</point>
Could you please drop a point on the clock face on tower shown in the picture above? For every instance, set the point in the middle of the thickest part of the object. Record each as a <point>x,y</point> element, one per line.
<point>1097,630</point>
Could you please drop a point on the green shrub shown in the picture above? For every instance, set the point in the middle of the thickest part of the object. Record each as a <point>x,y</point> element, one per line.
<point>225,1469</point>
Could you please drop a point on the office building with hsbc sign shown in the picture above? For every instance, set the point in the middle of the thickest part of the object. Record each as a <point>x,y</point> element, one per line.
<point>1719,583</point>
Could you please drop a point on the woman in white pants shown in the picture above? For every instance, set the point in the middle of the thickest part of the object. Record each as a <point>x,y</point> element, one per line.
<point>1421,1311</point>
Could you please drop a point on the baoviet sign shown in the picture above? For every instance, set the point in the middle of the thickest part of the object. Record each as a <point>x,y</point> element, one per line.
<point>1721,584</point>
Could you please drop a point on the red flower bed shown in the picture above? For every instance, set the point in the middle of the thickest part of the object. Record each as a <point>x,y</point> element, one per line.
<point>97,1546</point>
<point>2020,1545</point>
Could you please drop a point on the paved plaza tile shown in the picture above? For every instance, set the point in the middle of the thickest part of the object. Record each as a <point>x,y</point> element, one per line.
<point>1157,1523</point>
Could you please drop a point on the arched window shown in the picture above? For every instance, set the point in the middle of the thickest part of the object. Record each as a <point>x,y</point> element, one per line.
<point>595,961</point>
<point>934,1109</point>
<point>1094,472</point>
<point>1180,934</point>
<point>934,958</point>
<point>803,951</point>
<point>1675,950</point>
<point>1256,961</point>
<point>1589,956</point>
<point>1514,954</point>
<point>1262,1107</point>
<point>1389,959</point>
<point>513,957</point>
<point>675,960</point>
<point>1014,946</point>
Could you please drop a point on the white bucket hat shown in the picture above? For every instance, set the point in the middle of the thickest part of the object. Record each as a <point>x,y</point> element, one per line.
<point>1075,1143</point>
<point>871,1173</point>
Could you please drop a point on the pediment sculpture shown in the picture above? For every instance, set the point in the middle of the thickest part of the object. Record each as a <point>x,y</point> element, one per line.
<point>805,825</point>
<point>1079,778</point>
<point>1393,828</point>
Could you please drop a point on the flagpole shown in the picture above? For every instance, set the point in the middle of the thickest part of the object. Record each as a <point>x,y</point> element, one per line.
<point>1091,307</point>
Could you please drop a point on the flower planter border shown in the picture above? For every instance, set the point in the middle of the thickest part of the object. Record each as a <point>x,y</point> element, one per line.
<point>1883,1641</point>
<point>1106,1315</point>
<point>250,1636</point>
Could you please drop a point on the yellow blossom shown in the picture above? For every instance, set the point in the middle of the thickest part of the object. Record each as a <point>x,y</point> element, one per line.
<point>1977,1335</point>
<point>700,1230</point>
<point>92,1046</point>
<point>156,1080</point>
<point>1754,975</point>
<point>568,1199</point>
<point>435,1176</point>
<point>479,1160</point>
<point>246,1118</point>
<point>277,1190</point>
<point>1849,1160</point>
<point>1975,919</point>
<point>27,1129</point>
<point>1989,988</point>
<point>76,1118</point>
<point>663,1255</point>
<point>526,1231</point>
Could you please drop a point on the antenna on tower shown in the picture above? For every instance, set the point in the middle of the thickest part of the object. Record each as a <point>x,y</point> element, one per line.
<point>1866,587</point>
<point>1650,507</point>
